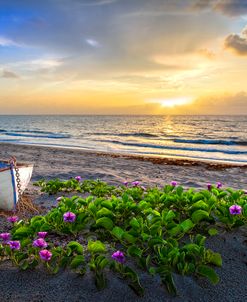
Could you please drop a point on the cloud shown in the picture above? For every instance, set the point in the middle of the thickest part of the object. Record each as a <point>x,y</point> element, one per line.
<point>97,2</point>
<point>237,43</point>
<point>230,8</point>
<point>9,74</point>
<point>5,42</point>
<point>223,104</point>
<point>226,104</point>
<point>202,4</point>
<point>92,42</point>
<point>207,53</point>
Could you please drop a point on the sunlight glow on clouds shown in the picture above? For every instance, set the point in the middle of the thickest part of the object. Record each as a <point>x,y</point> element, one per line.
<point>117,56</point>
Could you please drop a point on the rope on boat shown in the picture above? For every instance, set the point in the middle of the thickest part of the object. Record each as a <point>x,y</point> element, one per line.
<point>24,207</point>
<point>25,204</point>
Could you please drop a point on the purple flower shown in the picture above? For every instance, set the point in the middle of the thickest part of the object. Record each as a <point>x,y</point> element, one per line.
<point>245,192</point>
<point>45,255</point>
<point>5,236</point>
<point>135,183</point>
<point>235,209</point>
<point>41,243</point>
<point>78,178</point>
<point>219,185</point>
<point>69,217</point>
<point>118,256</point>
<point>174,183</point>
<point>59,198</point>
<point>126,183</point>
<point>42,234</point>
<point>14,245</point>
<point>209,187</point>
<point>13,219</point>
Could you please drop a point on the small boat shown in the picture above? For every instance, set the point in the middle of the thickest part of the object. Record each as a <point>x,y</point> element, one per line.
<point>14,178</point>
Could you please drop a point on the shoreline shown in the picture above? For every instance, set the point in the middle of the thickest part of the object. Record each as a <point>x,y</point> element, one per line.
<point>50,163</point>
<point>164,160</point>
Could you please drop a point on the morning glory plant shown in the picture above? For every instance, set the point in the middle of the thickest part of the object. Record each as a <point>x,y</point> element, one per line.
<point>40,243</point>
<point>45,255</point>
<point>118,256</point>
<point>42,234</point>
<point>69,217</point>
<point>235,209</point>
<point>13,219</point>
<point>5,236</point>
<point>14,245</point>
<point>109,224</point>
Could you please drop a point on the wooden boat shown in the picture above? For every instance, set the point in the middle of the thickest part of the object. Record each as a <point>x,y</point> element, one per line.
<point>14,178</point>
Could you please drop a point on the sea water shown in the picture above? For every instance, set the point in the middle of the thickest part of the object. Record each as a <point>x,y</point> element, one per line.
<point>214,138</point>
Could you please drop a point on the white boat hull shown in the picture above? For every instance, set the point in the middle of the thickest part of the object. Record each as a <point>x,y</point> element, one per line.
<point>8,185</point>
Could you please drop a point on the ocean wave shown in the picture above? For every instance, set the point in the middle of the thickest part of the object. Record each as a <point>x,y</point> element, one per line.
<point>211,142</point>
<point>35,134</point>
<point>135,134</point>
<point>142,145</point>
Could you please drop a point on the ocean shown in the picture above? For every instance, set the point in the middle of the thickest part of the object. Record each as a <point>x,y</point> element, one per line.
<point>214,138</point>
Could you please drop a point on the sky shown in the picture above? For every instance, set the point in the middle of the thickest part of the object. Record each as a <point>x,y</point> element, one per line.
<point>123,57</point>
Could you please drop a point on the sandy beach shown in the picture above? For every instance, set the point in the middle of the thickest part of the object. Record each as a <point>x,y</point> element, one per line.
<point>52,162</point>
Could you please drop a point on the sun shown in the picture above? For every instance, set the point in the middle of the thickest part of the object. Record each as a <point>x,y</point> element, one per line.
<point>170,103</point>
<point>173,102</point>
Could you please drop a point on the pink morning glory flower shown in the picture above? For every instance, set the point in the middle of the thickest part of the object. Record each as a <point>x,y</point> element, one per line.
<point>135,183</point>
<point>174,183</point>
<point>126,183</point>
<point>14,245</point>
<point>69,217</point>
<point>5,236</point>
<point>13,219</point>
<point>41,243</point>
<point>45,255</point>
<point>42,234</point>
<point>235,209</point>
<point>59,198</point>
<point>78,178</point>
<point>209,187</point>
<point>219,185</point>
<point>118,256</point>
